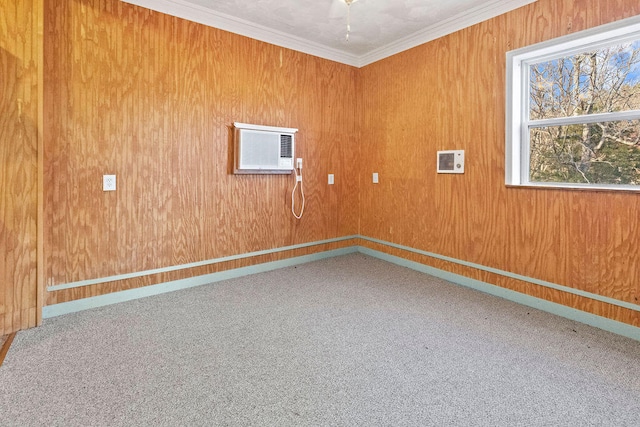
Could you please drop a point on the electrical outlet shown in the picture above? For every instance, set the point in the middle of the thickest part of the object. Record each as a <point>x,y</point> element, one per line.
<point>375,178</point>
<point>299,163</point>
<point>331,180</point>
<point>108,183</point>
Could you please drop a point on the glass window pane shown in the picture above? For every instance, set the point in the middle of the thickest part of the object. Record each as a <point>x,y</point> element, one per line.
<point>597,81</point>
<point>596,153</point>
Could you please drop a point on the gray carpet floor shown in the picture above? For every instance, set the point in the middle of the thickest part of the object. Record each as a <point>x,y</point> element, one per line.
<point>346,341</point>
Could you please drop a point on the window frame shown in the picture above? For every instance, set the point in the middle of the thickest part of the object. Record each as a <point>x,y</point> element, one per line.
<point>518,122</point>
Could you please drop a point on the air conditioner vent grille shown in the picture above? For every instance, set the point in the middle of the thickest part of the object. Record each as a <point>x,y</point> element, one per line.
<point>286,146</point>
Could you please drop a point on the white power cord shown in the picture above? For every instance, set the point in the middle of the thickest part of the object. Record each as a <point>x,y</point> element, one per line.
<point>293,192</point>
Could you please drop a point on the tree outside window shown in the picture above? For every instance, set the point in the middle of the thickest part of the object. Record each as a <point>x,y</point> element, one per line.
<point>573,110</point>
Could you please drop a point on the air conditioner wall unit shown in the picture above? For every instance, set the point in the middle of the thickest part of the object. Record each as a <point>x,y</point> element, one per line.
<point>263,149</point>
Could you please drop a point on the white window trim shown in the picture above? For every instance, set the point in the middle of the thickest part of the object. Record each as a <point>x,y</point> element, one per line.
<point>517,90</point>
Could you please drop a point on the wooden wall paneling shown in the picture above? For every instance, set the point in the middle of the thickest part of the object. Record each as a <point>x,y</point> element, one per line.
<point>20,63</point>
<point>191,151</point>
<point>350,149</point>
<point>152,98</point>
<point>52,90</point>
<point>621,248</point>
<point>455,88</point>
<point>40,260</point>
<point>331,92</point>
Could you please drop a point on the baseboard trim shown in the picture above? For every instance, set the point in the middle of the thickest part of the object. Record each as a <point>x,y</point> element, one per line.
<point>161,288</point>
<point>543,283</point>
<point>581,293</point>
<point>517,297</point>
<point>125,276</point>
<point>600,322</point>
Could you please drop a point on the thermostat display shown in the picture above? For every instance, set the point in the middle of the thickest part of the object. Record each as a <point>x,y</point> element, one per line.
<point>451,161</point>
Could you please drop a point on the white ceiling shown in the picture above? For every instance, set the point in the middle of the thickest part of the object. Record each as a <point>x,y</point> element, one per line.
<point>379,28</point>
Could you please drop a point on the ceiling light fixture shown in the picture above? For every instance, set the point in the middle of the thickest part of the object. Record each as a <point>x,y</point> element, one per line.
<point>348,3</point>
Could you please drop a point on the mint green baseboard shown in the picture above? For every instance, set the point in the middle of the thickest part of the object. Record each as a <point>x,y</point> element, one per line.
<point>517,297</point>
<point>161,288</point>
<point>167,269</point>
<point>600,322</point>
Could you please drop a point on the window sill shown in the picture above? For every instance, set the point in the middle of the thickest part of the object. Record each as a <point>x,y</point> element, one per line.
<point>570,187</point>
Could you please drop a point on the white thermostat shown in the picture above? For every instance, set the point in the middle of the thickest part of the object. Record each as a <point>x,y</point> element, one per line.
<point>451,161</point>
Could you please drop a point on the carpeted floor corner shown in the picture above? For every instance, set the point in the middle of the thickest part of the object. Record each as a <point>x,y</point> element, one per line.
<point>346,341</point>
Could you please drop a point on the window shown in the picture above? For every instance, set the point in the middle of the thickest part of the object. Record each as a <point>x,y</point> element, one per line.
<point>573,110</point>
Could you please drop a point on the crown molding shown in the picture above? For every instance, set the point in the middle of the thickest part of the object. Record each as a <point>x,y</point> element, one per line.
<point>448,26</point>
<point>192,12</point>
<point>202,15</point>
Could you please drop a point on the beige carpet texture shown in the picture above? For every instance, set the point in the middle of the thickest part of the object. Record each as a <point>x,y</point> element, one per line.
<point>345,341</point>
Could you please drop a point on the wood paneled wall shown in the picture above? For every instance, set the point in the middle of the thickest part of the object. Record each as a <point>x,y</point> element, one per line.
<point>450,94</point>
<point>20,89</point>
<point>152,98</point>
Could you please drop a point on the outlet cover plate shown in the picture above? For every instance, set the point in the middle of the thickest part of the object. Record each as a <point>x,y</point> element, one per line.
<point>108,183</point>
